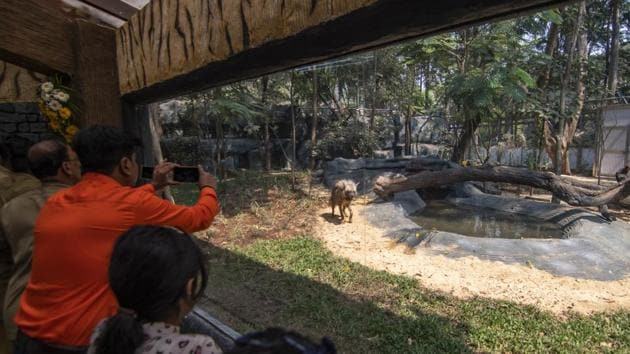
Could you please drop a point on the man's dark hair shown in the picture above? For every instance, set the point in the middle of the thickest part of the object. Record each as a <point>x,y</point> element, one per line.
<point>149,270</point>
<point>17,150</point>
<point>100,148</point>
<point>45,158</point>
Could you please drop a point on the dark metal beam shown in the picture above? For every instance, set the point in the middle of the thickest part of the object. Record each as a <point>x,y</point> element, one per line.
<point>117,8</point>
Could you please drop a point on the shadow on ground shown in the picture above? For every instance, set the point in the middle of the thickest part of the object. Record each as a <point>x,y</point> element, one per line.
<point>249,295</point>
<point>331,219</point>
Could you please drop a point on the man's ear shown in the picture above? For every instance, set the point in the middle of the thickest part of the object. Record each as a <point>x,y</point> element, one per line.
<point>65,168</point>
<point>126,166</point>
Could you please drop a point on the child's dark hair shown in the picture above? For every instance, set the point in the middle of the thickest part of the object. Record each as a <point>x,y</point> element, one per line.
<point>279,341</point>
<point>149,269</point>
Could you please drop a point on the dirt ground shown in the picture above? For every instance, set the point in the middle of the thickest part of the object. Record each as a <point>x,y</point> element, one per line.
<point>469,276</point>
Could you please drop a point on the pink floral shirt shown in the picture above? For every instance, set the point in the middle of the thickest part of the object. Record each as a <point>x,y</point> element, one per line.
<point>160,337</point>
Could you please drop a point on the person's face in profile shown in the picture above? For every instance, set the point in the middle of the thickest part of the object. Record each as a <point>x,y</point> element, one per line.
<point>72,166</point>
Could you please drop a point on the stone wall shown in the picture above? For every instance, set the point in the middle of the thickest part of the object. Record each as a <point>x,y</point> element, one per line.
<point>24,120</point>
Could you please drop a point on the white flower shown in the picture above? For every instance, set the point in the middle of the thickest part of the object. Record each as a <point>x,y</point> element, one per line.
<point>47,86</point>
<point>46,96</point>
<point>61,96</point>
<point>54,105</point>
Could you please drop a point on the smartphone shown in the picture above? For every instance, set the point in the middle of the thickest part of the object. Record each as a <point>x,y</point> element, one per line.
<point>185,174</point>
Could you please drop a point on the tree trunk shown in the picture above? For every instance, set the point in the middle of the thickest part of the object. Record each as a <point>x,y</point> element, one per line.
<point>613,61</point>
<point>374,89</point>
<point>267,141</point>
<point>573,192</point>
<point>572,123</point>
<point>463,143</point>
<point>314,121</point>
<point>409,113</point>
<point>156,132</point>
<point>550,50</point>
<point>427,85</point>
<point>557,140</point>
<point>408,132</point>
<point>611,85</point>
<point>547,141</point>
<point>396,123</point>
<point>219,141</point>
<point>293,138</point>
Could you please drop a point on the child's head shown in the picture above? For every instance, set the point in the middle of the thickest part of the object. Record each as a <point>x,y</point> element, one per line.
<point>153,268</point>
<point>157,274</point>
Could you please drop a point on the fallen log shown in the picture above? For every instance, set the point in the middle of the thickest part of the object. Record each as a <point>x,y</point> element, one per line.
<point>573,192</point>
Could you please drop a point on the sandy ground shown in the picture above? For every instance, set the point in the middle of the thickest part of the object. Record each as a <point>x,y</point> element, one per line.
<point>469,276</point>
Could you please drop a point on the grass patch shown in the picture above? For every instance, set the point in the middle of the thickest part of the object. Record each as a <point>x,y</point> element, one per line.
<point>299,284</point>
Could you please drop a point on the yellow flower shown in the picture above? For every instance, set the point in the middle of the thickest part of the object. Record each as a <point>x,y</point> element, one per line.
<point>65,113</point>
<point>51,115</point>
<point>72,130</point>
<point>54,124</point>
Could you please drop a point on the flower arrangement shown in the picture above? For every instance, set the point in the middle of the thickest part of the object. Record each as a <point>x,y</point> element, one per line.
<point>56,105</point>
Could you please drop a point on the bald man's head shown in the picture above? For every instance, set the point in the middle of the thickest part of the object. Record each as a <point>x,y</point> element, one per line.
<point>45,158</point>
<point>51,159</point>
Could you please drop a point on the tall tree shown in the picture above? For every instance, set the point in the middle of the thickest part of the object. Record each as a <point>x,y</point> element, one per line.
<point>613,61</point>
<point>312,161</point>
<point>559,134</point>
<point>264,83</point>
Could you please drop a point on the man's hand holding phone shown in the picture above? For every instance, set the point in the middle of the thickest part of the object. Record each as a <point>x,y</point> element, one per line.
<point>162,175</point>
<point>206,179</point>
<point>170,174</point>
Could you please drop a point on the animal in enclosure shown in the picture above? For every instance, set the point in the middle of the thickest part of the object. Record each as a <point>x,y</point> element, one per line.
<point>341,196</point>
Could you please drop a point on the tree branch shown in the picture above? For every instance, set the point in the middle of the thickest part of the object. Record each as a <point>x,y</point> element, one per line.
<point>573,192</point>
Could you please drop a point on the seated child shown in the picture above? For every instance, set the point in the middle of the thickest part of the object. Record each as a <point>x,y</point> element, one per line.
<point>156,274</point>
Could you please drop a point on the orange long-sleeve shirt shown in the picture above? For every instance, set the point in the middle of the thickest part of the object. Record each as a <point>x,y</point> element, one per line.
<point>69,293</point>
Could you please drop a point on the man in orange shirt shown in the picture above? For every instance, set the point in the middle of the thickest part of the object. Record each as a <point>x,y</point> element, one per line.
<point>68,293</point>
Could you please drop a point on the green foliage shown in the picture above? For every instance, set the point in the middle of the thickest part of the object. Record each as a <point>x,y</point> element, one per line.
<point>184,150</point>
<point>552,16</point>
<point>350,139</point>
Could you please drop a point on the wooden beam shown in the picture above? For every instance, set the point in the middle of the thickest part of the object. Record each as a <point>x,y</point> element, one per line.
<point>18,84</point>
<point>96,81</point>
<point>172,47</point>
<point>36,35</point>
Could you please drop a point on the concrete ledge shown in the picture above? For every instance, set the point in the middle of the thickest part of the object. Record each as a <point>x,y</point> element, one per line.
<point>593,248</point>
